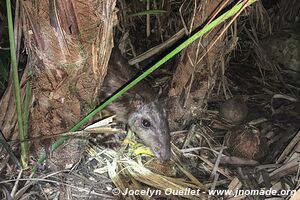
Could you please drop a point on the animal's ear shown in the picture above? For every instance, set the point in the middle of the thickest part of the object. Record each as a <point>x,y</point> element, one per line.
<point>117,58</point>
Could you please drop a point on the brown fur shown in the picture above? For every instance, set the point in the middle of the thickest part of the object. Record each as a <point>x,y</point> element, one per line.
<point>137,104</point>
<point>118,74</point>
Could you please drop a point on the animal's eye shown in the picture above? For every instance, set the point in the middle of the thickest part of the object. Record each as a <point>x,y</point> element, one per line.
<point>146,123</point>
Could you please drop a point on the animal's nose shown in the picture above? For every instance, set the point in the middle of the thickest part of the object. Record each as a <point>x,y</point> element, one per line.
<point>163,154</point>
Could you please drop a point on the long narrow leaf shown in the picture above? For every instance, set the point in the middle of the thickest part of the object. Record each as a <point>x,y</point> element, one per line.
<point>16,85</point>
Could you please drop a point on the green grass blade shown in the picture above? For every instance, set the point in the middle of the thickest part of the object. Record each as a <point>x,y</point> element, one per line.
<point>16,85</point>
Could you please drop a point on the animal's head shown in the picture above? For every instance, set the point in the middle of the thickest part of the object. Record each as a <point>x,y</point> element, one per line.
<point>149,122</point>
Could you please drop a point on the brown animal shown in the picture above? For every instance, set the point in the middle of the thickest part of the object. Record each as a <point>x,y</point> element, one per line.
<point>139,107</point>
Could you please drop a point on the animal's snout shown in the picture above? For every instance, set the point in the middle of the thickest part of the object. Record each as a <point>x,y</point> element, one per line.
<point>163,153</point>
